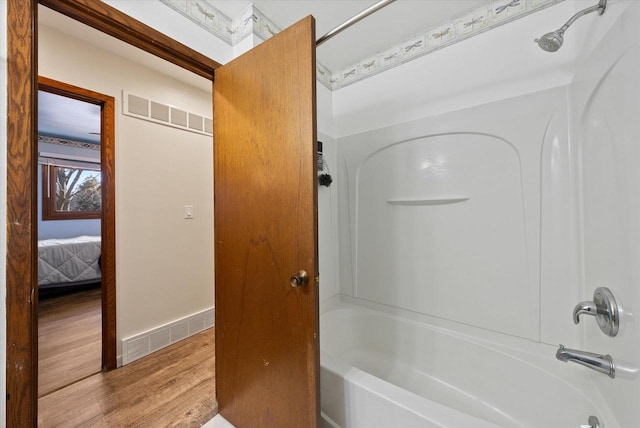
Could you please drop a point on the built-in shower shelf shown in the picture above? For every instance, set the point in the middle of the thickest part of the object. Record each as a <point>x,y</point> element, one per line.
<point>437,200</point>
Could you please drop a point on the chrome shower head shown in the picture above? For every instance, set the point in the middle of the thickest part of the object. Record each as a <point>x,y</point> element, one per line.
<point>551,42</point>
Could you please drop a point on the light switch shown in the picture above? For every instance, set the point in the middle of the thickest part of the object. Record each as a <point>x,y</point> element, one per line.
<point>188,211</point>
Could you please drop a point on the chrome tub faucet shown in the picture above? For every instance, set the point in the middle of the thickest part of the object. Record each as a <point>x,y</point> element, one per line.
<point>600,363</point>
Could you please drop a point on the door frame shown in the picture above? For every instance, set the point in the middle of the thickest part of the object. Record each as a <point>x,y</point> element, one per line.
<point>108,214</point>
<point>22,159</point>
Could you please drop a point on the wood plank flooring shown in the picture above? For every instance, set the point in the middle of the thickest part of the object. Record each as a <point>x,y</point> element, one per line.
<point>69,339</point>
<point>172,387</point>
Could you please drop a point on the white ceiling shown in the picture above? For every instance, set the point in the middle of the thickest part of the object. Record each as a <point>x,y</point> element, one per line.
<point>390,25</point>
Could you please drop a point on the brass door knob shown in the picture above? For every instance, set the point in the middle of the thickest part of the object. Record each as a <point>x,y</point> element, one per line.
<point>300,279</point>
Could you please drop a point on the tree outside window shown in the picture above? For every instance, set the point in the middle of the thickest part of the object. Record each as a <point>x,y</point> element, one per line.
<point>73,193</point>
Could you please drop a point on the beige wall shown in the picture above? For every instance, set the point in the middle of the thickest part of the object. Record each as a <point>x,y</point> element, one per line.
<point>164,262</point>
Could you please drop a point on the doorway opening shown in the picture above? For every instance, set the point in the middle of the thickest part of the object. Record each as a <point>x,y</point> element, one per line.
<point>22,166</point>
<point>70,328</point>
<point>161,254</point>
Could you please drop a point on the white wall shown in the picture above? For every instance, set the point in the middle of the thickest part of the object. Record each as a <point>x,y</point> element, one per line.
<point>164,262</point>
<point>327,199</point>
<point>459,261</point>
<point>3,207</point>
<point>605,101</point>
<point>246,44</point>
<point>328,222</point>
<point>324,99</point>
<point>500,63</point>
<point>495,71</point>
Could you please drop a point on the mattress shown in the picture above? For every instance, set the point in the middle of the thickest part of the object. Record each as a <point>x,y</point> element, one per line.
<point>68,261</point>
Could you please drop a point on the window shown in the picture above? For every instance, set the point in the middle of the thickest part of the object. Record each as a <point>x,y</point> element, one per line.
<point>71,193</point>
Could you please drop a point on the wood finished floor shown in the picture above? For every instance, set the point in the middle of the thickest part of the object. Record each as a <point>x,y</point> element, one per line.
<point>172,387</point>
<point>69,339</point>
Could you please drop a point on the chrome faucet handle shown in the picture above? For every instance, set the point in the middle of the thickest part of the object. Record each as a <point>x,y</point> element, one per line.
<point>604,308</point>
<point>587,308</point>
<point>594,422</point>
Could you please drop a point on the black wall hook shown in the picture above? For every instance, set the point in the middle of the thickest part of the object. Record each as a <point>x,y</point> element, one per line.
<point>325,180</point>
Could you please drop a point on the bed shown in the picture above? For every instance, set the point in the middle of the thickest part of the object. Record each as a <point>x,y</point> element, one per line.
<point>68,262</point>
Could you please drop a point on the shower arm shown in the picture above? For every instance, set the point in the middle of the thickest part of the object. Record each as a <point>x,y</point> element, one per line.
<point>600,7</point>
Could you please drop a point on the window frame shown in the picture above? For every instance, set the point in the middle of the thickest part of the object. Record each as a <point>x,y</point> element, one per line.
<point>49,211</point>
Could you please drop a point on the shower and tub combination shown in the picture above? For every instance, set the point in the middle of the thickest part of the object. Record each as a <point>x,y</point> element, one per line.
<point>476,243</point>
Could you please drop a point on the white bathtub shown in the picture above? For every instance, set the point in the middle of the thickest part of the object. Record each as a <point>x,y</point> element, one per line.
<point>380,370</point>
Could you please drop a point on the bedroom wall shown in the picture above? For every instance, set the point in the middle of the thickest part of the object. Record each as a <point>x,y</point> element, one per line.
<point>164,262</point>
<point>65,228</point>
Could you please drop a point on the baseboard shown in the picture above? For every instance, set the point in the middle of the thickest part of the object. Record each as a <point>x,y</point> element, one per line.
<point>143,344</point>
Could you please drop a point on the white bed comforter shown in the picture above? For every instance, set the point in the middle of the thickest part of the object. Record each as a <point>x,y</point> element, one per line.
<point>68,260</point>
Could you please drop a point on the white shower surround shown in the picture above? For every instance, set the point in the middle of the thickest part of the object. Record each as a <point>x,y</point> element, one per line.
<point>459,261</point>
<point>561,152</point>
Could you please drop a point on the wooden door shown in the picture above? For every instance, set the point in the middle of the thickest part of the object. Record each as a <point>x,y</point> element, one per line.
<point>267,343</point>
